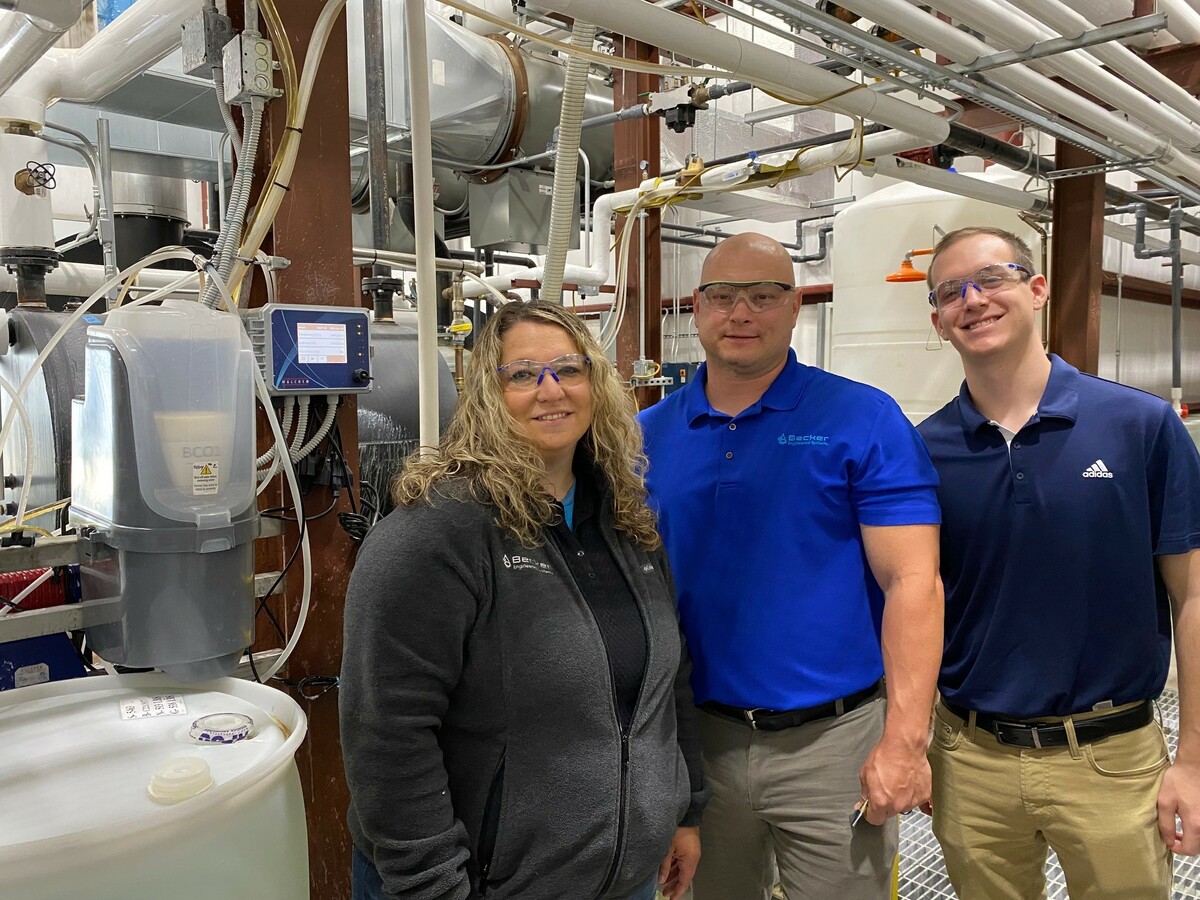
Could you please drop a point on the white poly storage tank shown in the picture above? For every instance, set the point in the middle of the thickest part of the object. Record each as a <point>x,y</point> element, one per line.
<point>880,332</point>
<point>80,760</point>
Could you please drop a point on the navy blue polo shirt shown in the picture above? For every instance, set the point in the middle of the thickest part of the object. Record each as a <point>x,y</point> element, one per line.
<point>1054,604</point>
<point>762,513</point>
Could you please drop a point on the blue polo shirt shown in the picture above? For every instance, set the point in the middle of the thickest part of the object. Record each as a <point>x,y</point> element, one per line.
<point>1054,604</point>
<point>761,516</point>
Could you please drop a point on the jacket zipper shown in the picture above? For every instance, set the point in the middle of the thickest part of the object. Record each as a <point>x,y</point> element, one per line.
<point>612,870</point>
<point>491,824</point>
<point>635,588</point>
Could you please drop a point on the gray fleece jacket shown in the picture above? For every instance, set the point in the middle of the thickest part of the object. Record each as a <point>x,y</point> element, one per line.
<point>479,729</point>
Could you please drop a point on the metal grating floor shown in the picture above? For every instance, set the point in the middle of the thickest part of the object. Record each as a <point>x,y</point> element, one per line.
<point>923,875</point>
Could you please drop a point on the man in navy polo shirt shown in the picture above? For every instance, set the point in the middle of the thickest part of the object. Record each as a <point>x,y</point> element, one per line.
<point>799,512</point>
<point>1071,518</point>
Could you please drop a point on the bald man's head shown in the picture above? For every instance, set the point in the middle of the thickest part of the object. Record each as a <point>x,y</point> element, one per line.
<point>748,257</point>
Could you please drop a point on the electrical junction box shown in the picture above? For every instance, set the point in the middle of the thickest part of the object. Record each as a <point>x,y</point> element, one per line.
<point>311,349</point>
<point>513,212</point>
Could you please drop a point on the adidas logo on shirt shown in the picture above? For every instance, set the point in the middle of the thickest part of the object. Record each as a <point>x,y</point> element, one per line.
<point>1097,470</point>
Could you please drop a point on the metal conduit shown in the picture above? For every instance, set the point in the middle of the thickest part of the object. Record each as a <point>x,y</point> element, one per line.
<point>976,143</point>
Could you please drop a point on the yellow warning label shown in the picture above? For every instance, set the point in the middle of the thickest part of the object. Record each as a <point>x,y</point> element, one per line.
<point>205,479</point>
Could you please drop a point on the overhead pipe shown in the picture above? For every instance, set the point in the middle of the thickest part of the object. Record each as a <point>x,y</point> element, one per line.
<point>1013,31</point>
<point>1116,56</point>
<point>130,44</point>
<point>1172,252</point>
<point>34,27</point>
<point>820,140</point>
<point>946,39</point>
<point>976,143</point>
<point>822,250</point>
<point>1182,21</point>
<point>1127,235</point>
<point>604,212</point>
<point>717,233</point>
<point>746,60</point>
<point>954,183</point>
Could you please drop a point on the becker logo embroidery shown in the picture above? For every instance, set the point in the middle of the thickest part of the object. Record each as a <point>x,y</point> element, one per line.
<point>521,563</point>
<point>1097,470</point>
<point>803,440</point>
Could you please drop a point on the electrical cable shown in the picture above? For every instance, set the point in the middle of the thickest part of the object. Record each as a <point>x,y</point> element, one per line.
<point>289,472</point>
<point>278,180</point>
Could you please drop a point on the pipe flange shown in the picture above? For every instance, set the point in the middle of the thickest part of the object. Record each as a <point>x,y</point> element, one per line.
<point>45,258</point>
<point>516,131</point>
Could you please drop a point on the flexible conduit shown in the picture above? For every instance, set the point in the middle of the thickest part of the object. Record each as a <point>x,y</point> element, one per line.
<point>563,217</point>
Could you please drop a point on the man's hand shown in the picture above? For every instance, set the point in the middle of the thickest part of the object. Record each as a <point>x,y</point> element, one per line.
<point>675,873</point>
<point>895,779</point>
<point>1180,796</point>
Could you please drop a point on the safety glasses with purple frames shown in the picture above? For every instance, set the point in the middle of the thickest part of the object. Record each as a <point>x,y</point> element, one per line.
<point>527,374</point>
<point>987,281</point>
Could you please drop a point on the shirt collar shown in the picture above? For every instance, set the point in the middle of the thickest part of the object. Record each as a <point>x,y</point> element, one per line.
<point>1060,399</point>
<point>784,393</point>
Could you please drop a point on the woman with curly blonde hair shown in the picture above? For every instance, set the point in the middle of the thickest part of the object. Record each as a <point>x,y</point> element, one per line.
<point>516,715</point>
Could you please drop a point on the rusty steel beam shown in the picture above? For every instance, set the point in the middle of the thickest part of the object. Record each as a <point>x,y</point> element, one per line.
<point>636,157</point>
<point>1076,256</point>
<point>312,230</point>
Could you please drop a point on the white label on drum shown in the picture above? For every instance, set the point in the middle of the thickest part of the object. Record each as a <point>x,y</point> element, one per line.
<point>35,674</point>
<point>152,707</point>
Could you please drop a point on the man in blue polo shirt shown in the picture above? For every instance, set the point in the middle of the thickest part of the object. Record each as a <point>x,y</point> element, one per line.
<point>1071,518</point>
<point>799,513</point>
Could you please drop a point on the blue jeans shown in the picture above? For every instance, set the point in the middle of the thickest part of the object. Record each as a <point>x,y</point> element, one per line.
<point>365,883</point>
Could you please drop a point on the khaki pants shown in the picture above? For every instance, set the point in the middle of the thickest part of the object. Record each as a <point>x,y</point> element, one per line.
<point>786,797</point>
<point>996,808</point>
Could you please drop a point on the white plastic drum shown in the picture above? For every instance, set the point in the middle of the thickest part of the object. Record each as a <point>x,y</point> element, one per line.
<point>77,774</point>
<point>880,332</point>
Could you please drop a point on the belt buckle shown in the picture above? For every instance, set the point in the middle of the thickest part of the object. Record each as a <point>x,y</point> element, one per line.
<point>749,714</point>
<point>1032,730</point>
<point>1001,729</point>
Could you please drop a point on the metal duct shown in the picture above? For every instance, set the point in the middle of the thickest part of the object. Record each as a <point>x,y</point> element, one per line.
<point>490,102</point>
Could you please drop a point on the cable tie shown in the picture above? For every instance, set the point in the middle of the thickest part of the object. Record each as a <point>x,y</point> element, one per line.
<point>293,128</point>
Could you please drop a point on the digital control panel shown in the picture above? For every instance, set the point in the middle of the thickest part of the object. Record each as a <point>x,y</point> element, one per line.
<point>311,349</point>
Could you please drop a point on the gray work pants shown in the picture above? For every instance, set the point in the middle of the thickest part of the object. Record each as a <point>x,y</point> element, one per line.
<point>784,799</point>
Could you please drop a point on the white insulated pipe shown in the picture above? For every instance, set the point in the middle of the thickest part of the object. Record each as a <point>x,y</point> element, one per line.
<point>422,163</point>
<point>954,183</point>
<point>28,33</point>
<point>752,62</point>
<point>1013,31</point>
<point>605,210</point>
<point>132,43</point>
<point>82,279</point>
<point>944,38</point>
<point>1182,20</point>
<point>1116,56</point>
<point>1127,235</point>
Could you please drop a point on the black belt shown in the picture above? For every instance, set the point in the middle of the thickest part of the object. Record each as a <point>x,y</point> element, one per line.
<point>1032,733</point>
<point>778,720</point>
